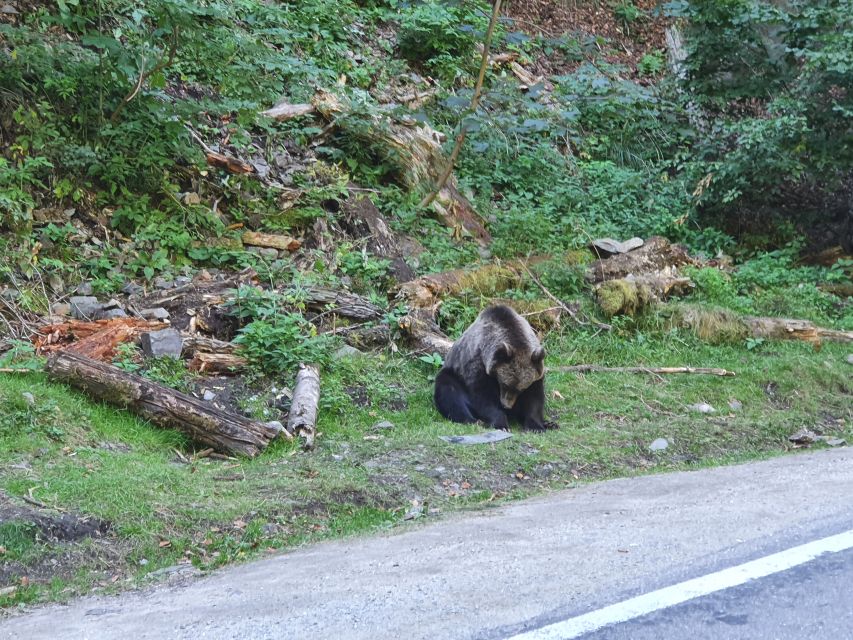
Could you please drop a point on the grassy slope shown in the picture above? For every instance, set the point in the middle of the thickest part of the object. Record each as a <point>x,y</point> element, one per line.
<point>97,461</point>
<point>82,458</point>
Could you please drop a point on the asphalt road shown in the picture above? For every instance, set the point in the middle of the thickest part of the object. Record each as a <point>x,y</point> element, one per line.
<point>525,567</point>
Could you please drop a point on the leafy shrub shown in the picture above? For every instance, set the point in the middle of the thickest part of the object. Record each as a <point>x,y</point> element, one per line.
<point>279,344</point>
<point>438,33</point>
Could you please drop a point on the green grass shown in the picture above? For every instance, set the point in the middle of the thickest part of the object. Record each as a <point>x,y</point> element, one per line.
<point>97,461</point>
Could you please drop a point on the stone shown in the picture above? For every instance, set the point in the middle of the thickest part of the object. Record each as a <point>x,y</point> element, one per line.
<point>384,424</point>
<point>346,351</point>
<point>803,436</point>
<point>275,424</point>
<point>109,314</point>
<point>29,398</point>
<point>208,395</point>
<point>702,407</point>
<point>850,358</point>
<point>167,342</point>
<point>268,253</point>
<point>735,405</point>
<point>157,313</point>
<point>84,307</point>
<point>659,445</point>
<point>180,281</point>
<point>132,288</point>
<point>486,437</point>
<point>60,309</point>
<point>55,283</point>
<point>163,283</point>
<point>606,247</point>
<point>85,289</point>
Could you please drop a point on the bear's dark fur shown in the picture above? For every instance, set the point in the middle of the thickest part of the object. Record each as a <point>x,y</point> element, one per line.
<point>494,373</point>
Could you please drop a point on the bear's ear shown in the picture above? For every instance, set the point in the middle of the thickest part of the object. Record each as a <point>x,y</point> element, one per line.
<point>538,356</point>
<point>503,353</point>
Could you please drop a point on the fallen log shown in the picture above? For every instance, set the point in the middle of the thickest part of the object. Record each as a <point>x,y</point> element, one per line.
<point>424,333</point>
<point>302,419</point>
<point>342,303</point>
<point>723,325</point>
<point>653,257</point>
<point>632,295</point>
<point>229,163</point>
<point>270,240</point>
<point>165,407</point>
<point>586,368</point>
<point>216,363</point>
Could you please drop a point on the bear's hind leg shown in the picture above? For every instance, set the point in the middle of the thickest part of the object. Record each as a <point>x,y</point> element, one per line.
<point>452,398</point>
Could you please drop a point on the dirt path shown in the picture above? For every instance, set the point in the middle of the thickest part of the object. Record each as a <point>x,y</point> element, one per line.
<point>491,574</point>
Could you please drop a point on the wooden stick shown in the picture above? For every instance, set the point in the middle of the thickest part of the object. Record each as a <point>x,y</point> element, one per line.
<point>303,410</point>
<point>586,368</point>
<point>475,102</point>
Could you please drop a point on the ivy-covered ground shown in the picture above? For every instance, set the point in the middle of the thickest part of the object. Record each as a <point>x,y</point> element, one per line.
<point>108,111</point>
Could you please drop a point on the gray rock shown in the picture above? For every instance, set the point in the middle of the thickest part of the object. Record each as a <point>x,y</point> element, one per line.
<point>157,313</point>
<point>384,424</point>
<point>803,436</point>
<point>414,513</point>
<point>180,281</point>
<point>735,405</point>
<point>275,424</point>
<point>702,407</point>
<point>132,289</point>
<point>850,358</point>
<point>659,445</point>
<point>268,253</point>
<point>835,442</point>
<point>486,437</point>
<point>29,398</point>
<point>10,294</point>
<point>55,283</point>
<point>606,247</point>
<point>163,283</point>
<point>84,307</point>
<point>208,395</point>
<point>109,314</point>
<point>167,342</point>
<point>346,351</point>
<point>85,289</point>
<point>60,309</point>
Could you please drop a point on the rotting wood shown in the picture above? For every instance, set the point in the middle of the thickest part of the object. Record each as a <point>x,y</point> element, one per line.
<point>653,257</point>
<point>723,325</point>
<point>229,163</point>
<point>342,303</point>
<point>217,363</point>
<point>285,111</point>
<point>424,333</point>
<point>415,153</point>
<point>161,405</point>
<point>587,368</point>
<point>271,241</point>
<point>97,340</point>
<point>302,419</point>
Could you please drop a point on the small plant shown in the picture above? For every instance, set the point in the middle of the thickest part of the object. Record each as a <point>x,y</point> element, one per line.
<point>627,13</point>
<point>434,360</point>
<point>754,343</point>
<point>651,64</point>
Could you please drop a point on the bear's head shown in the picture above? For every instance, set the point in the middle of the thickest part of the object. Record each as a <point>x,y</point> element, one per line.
<point>515,370</point>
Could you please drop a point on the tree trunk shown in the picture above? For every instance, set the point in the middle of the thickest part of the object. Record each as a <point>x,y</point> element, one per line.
<point>303,410</point>
<point>165,407</point>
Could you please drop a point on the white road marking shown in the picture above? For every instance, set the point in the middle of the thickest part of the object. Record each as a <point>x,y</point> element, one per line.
<point>688,590</point>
